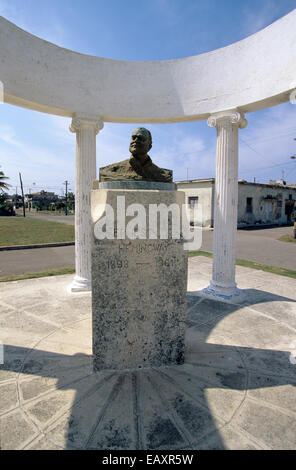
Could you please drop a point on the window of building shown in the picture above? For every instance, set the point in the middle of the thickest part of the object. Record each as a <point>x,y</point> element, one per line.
<point>192,201</point>
<point>249,206</point>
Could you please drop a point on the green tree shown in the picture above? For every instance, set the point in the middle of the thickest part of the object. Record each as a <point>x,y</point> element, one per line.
<point>6,207</point>
<point>3,184</point>
<point>71,201</point>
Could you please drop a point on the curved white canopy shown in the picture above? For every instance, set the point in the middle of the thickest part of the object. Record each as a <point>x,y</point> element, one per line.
<point>251,74</point>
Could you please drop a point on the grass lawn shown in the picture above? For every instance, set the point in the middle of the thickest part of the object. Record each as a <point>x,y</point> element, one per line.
<point>28,231</point>
<point>56,213</point>
<point>252,264</point>
<point>49,272</point>
<point>287,238</point>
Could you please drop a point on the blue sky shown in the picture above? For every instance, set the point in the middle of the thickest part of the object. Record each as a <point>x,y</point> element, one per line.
<point>41,147</point>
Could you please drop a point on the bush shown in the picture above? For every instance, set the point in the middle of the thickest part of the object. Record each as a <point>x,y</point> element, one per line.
<point>6,208</point>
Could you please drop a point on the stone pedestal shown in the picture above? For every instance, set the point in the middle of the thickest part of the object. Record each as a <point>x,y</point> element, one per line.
<point>138,285</point>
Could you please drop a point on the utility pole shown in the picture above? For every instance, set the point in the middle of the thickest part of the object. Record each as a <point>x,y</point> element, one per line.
<point>66,196</point>
<point>23,197</point>
<point>293,157</point>
<point>29,200</point>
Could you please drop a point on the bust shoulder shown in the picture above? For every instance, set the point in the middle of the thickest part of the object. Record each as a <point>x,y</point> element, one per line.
<point>116,171</point>
<point>115,166</point>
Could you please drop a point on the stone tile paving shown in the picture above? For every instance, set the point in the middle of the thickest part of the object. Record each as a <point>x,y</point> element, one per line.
<point>236,389</point>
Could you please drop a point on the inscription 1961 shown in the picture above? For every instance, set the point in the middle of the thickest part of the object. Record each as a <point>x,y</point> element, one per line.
<point>166,262</point>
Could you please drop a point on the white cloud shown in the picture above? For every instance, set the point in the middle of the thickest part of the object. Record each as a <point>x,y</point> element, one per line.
<point>254,20</point>
<point>37,163</point>
<point>51,30</point>
<point>270,135</point>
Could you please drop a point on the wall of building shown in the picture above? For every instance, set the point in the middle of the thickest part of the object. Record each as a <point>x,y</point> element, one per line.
<point>265,204</point>
<point>204,191</point>
<point>257,203</point>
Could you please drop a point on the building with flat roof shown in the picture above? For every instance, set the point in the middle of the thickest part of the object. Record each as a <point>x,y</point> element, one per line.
<point>258,203</point>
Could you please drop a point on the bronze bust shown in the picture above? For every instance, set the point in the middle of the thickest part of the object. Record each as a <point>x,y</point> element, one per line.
<point>139,166</point>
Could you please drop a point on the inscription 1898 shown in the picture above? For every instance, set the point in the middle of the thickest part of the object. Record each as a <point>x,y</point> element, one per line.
<point>116,264</point>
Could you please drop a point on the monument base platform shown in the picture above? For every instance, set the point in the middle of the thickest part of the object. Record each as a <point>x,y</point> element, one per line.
<point>80,284</point>
<point>231,295</point>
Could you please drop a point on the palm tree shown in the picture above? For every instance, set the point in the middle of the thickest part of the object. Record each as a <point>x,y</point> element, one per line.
<point>3,184</point>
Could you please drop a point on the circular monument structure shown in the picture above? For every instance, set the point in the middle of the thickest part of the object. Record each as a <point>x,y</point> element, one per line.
<point>220,86</point>
<point>225,395</point>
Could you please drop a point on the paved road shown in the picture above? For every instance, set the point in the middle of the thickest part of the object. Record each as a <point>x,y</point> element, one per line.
<point>35,260</point>
<point>260,245</point>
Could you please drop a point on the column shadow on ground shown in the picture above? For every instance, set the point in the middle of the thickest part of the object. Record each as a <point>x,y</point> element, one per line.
<point>163,408</point>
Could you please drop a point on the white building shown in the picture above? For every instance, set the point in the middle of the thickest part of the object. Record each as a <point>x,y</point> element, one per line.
<point>257,203</point>
<point>200,191</point>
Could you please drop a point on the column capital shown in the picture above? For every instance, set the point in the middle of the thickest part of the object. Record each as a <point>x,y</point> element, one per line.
<point>80,121</point>
<point>233,117</point>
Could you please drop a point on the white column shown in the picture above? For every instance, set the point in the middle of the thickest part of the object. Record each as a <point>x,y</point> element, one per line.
<point>223,283</point>
<point>86,129</point>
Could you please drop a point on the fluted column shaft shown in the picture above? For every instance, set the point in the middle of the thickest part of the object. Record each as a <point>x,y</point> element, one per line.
<point>226,201</point>
<point>86,129</point>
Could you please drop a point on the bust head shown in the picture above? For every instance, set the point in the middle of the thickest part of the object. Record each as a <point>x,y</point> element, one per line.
<point>141,142</point>
<point>139,166</point>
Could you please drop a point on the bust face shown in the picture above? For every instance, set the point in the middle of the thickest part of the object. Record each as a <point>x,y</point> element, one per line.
<point>140,142</point>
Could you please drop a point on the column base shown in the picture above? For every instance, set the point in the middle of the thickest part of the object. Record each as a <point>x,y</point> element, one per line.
<point>224,293</point>
<point>80,284</point>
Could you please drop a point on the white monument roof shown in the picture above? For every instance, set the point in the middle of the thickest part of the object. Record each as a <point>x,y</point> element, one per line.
<point>251,74</point>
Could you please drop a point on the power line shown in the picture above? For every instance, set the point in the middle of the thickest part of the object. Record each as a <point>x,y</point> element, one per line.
<point>264,140</point>
<point>14,183</point>
<point>279,136</point>
<point>266,167</point>
<point>258,153</point>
